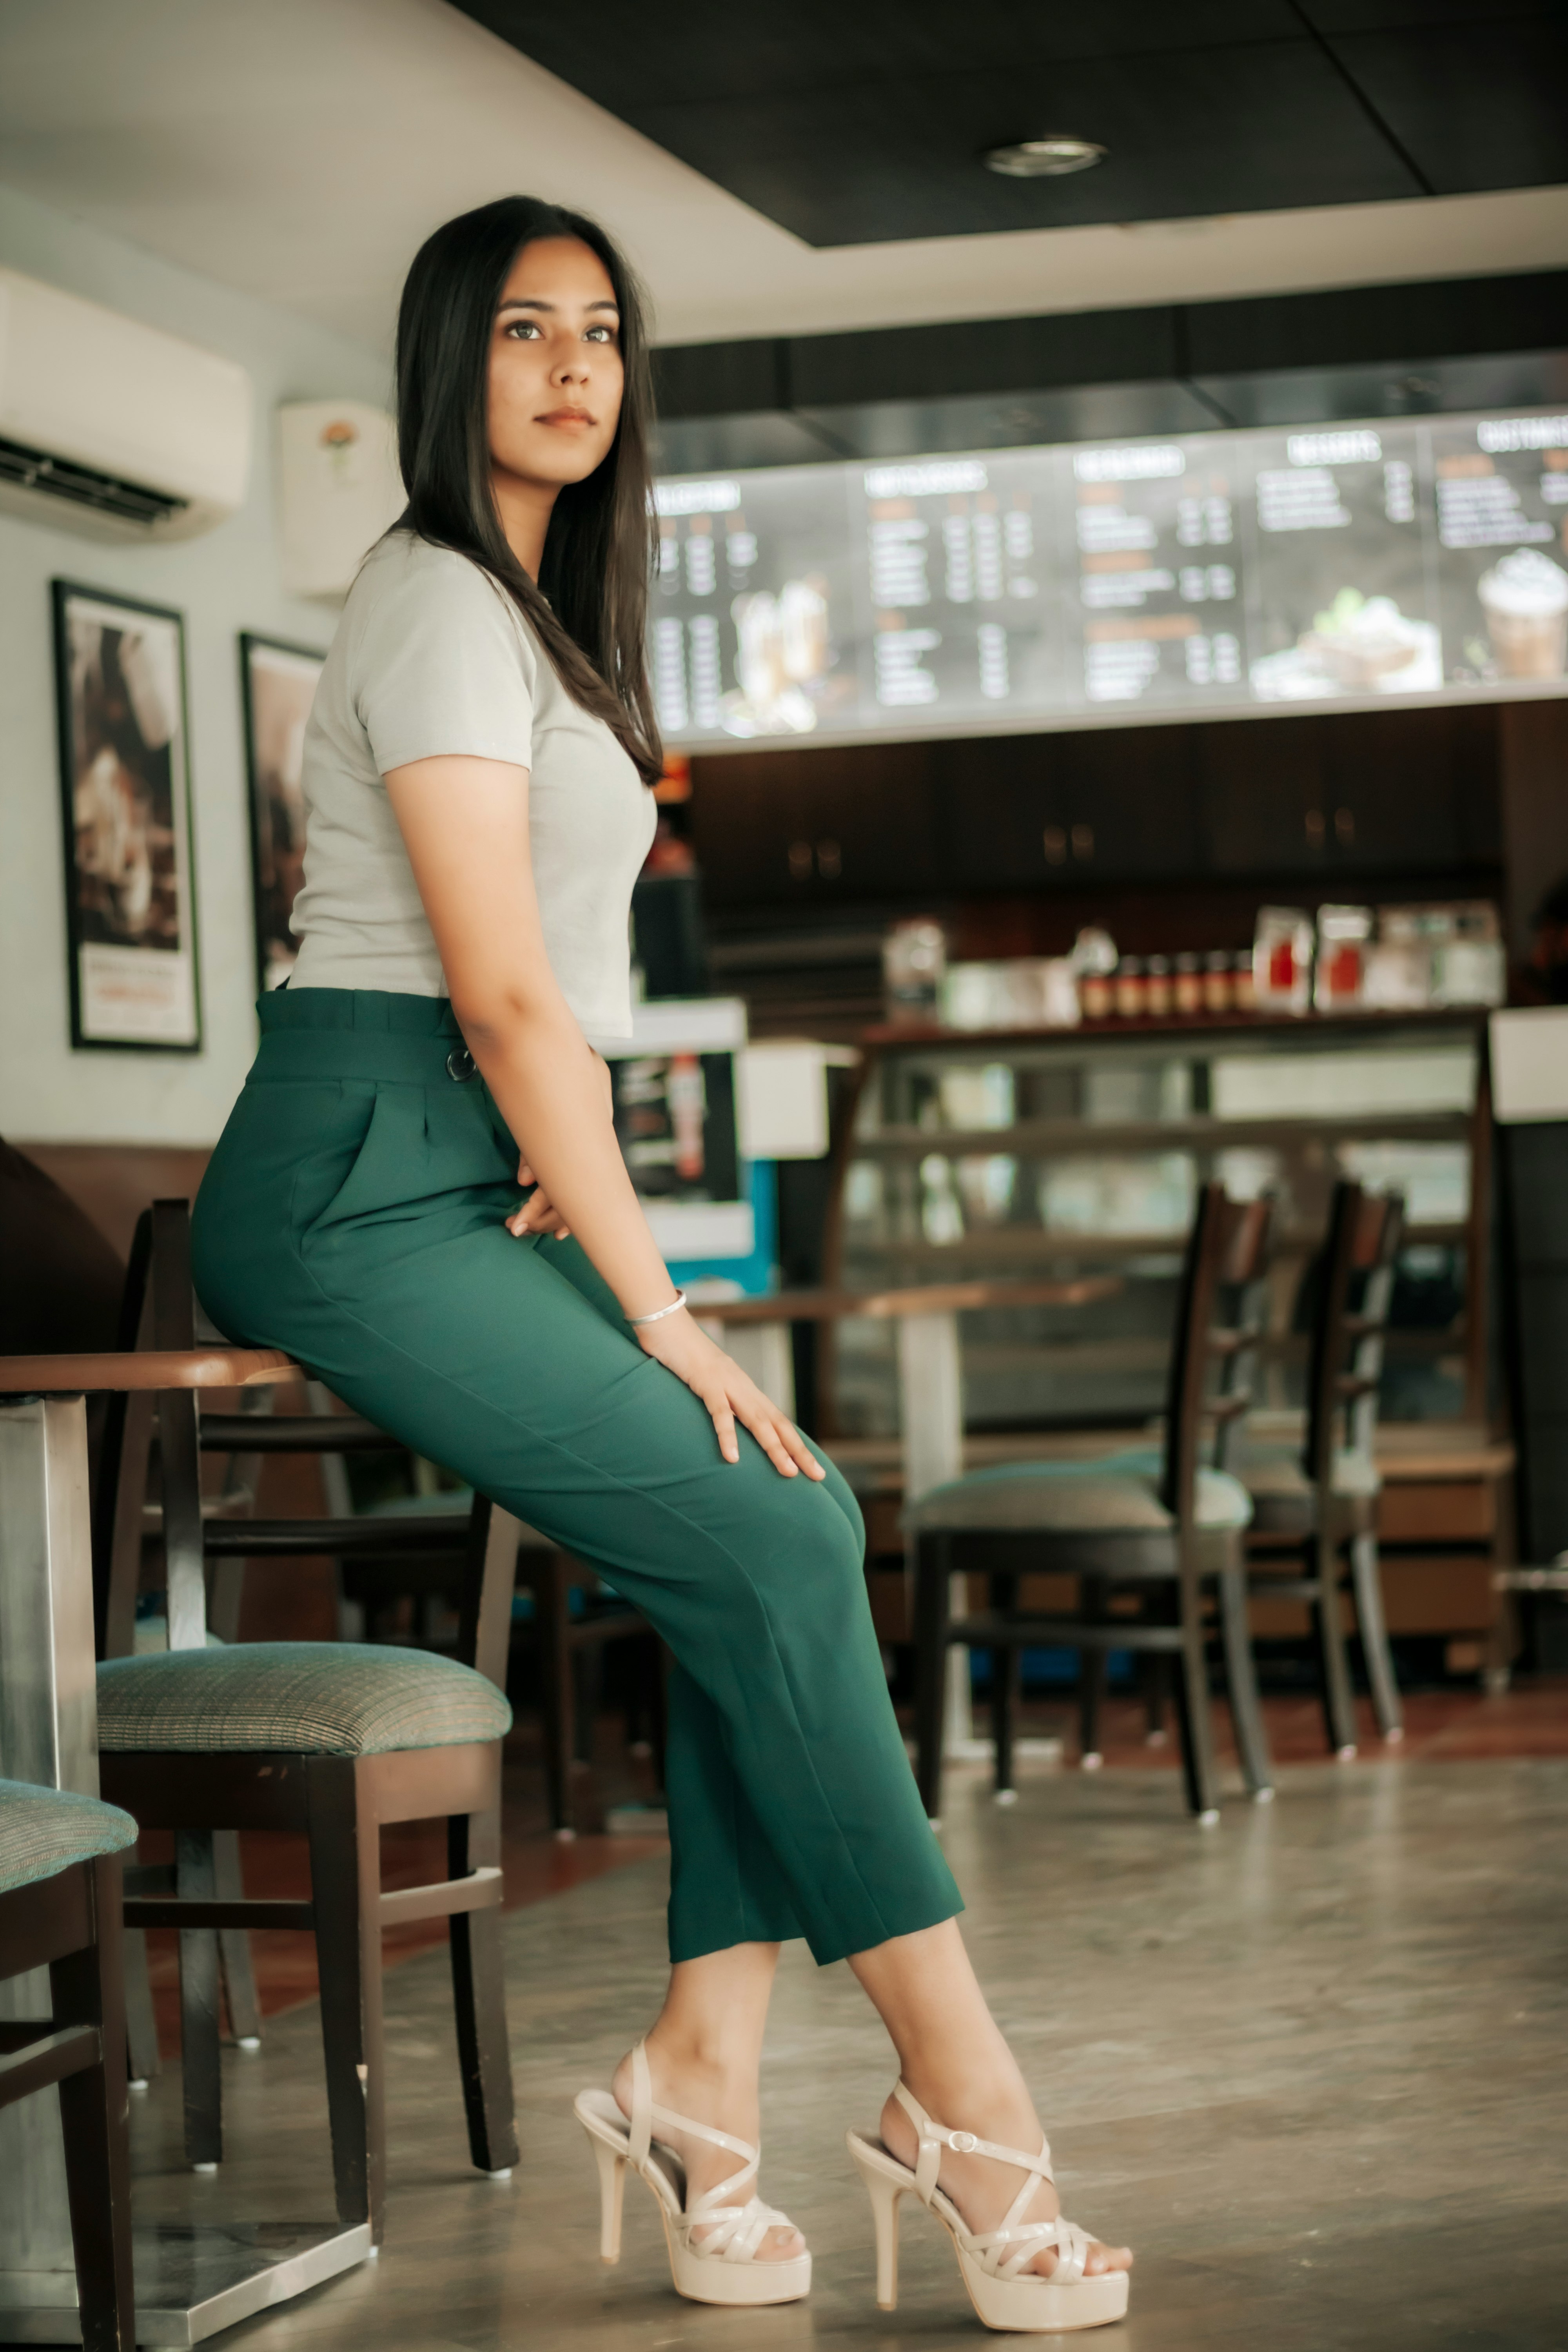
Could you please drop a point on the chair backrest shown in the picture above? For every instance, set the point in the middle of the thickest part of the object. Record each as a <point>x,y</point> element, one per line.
<point>1215,1338</point>
<point>1345,1359</point>
<point>158,1311</point>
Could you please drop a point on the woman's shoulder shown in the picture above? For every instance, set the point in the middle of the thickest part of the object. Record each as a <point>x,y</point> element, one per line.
<point>408,584</point>
<point>402,564</point>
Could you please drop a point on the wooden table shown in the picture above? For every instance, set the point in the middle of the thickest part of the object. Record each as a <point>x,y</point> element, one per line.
<point>190,2281</point>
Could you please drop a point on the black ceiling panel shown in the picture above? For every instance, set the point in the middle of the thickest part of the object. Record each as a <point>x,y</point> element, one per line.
<point>706,51</point>
<point>866,124</point>
<point>1474,106</point>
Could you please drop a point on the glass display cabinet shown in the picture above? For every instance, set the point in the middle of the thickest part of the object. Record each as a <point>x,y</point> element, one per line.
<point>1080,1151</point>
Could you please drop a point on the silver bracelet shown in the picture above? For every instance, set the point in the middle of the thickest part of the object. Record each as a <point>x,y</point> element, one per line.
<point>676,1304</point>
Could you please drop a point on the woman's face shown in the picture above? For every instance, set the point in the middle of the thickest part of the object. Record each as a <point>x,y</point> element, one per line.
<point>555,373</point>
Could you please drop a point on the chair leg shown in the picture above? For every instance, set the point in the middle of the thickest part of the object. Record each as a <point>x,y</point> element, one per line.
<point>1192,1691</point>
<point>551,1615</point>
<point>143,2057</point>
<point>1366,1576</point>
<point>86,1989</point>
<point>929,1564</point>
<point>200,2048</point>
<point>479,1996</point>
<point>1093,1668</point>
<point>1005,1664</point>
<point>1241,1681</point>
<point>1338,1703</point>
<point>1156,1681</point>
<point>343,1965</point>
<point>234,1944</point>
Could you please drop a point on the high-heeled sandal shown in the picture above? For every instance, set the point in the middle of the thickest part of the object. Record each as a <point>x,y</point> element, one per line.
<point>992,2261</point>
<point>721,2268</point>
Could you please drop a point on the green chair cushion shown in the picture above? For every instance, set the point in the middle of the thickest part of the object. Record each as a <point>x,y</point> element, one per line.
<point>304,1698</point>
<point>44,1831</point>
<point>1116,1496</point>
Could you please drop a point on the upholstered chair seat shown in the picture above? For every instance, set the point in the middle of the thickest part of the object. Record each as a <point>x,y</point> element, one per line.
<point>306,1699</point>
<point>45,1830</point>
<point>1118,1494</point>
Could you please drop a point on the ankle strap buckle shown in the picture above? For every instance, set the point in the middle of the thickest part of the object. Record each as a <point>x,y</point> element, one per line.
<point>964,2143</point>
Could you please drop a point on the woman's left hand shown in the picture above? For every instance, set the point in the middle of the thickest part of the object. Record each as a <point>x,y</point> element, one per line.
<point>539,1214</point>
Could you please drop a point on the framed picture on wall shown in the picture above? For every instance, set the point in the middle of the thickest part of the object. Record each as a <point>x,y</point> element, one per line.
<point>279,682</point>
<point>119,673</point>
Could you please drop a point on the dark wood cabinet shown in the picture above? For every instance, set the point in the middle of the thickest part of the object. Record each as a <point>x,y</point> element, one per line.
<point>1324,802</point>
<point>802,828</point>
<point>1369,794</point>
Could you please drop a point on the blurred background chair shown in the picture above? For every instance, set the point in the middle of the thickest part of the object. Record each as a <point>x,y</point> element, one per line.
<point>60,1909</point>
<point>1150,1539</point>
<point>1313,1534</point>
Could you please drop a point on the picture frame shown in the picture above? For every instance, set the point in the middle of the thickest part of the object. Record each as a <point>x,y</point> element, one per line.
<point>278,685</point>
<point>125,805</point>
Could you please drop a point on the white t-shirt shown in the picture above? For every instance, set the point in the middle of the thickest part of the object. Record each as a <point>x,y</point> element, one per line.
<point>430,658</point>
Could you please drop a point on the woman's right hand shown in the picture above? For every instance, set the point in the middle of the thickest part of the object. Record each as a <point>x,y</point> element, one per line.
<point>680,1343</point>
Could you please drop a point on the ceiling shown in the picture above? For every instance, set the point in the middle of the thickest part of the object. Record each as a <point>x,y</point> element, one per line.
<point>866,124</point>
<point>299,149</point>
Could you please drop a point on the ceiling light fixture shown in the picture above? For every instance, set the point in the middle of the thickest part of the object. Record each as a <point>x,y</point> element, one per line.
<point>1044,159</point>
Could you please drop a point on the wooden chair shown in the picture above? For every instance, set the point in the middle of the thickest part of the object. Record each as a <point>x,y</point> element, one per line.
<point>1317,1511</point>
<point>334,1740</point>
<point>60,1909</point>
<point>1152,1539</point>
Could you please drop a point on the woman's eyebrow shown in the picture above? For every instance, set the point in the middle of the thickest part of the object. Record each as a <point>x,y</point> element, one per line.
<point>536,302</point>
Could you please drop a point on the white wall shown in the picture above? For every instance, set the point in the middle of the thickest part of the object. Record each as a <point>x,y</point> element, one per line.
<point>224,583</point>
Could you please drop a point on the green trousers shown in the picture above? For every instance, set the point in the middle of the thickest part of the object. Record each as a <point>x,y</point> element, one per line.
<point>352,1215</point>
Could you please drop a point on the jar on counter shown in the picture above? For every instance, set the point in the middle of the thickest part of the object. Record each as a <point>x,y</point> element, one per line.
<point>1132,989</point>
<point>1243,985</point>
<point>1157,987</point>
<point>1187,987</point>
<point>1217,997</point>
<point>1096,1000</point>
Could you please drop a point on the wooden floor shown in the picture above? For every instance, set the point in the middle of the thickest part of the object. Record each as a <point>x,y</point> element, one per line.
<point>1309,2063</point>
<point>1450,1726</point>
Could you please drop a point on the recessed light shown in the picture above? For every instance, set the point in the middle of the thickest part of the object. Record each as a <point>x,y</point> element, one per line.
<point>1044,159</point>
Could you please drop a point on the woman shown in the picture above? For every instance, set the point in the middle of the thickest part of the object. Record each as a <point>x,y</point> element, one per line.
<point>476,777</point>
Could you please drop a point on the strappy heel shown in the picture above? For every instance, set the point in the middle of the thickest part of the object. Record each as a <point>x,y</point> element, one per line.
<point>993,2263</point>
<point>721,2268</point>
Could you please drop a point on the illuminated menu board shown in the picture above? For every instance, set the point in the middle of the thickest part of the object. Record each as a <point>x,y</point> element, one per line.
<point>1022,588</point>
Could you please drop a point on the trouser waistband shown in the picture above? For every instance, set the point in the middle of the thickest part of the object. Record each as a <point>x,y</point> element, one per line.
<point>360,1032</point>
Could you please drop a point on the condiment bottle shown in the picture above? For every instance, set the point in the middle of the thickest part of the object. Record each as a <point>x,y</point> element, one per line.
<point>1157,987</point>
<point>1094,996</point>
<point>1217,981</point>
<point>1188,989</point>
<point>1132,989</point>
<point>1243,987</point>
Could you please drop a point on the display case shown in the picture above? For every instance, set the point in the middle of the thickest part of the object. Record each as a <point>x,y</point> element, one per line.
<point>1082,1151</point>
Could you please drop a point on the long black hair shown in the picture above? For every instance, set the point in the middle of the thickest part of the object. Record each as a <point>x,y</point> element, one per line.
<point>589,608</point>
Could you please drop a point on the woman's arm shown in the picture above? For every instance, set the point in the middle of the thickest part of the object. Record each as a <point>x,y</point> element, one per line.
<point>465,823</point>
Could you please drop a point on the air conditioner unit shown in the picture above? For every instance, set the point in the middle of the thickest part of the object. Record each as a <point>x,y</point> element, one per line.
<point>111,427</point>
<point>338,489</point>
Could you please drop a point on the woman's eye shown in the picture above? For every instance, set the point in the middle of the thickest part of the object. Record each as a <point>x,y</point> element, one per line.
<point>523,328</point>
<point>602,334</point>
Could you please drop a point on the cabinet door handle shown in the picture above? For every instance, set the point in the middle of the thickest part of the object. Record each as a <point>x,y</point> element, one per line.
<point>1083,841</point>
<point>800,861</point>
<point>1055,843</point>
<point>1315,828</point>
<point>1345,826</point>
<point>829,860</point>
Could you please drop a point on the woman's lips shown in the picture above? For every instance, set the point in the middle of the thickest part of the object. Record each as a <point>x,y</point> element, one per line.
<point>566,416</point>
